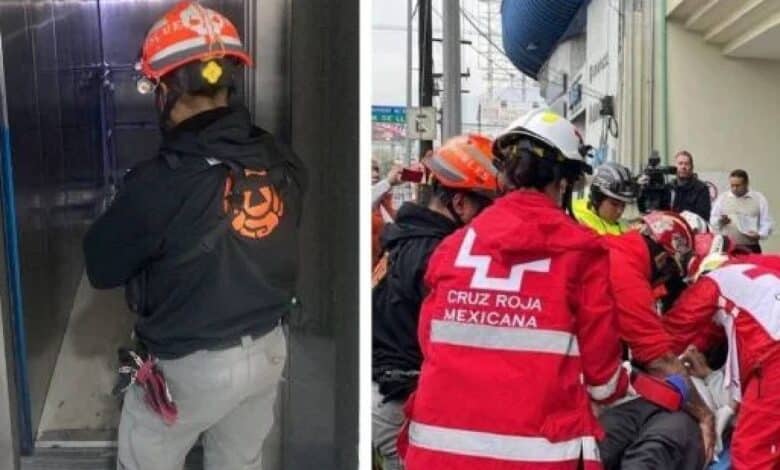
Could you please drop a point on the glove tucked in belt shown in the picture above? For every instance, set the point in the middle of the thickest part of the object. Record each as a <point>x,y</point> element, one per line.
<point>141,368</point>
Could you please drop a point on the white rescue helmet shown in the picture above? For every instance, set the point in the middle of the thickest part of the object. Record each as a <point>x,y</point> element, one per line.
<point>696,222</point>
<point>548,127</point>
<point>698,267</point>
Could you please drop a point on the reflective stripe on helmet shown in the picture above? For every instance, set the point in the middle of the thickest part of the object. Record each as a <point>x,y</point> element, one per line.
<point>444,171</point>
<point>465,162</point>
<point>189,48</point>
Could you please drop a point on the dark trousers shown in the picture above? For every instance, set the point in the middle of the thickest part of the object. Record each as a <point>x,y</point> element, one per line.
<point>754,248</point>
<point>643,436</point>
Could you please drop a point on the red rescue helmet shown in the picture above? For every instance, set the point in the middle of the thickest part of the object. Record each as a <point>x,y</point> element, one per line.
<point>465,162</point>
<point>187,33</point>
<point>670,231</point>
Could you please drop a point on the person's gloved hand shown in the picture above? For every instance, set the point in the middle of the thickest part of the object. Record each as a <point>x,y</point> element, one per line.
<point>643,180</point>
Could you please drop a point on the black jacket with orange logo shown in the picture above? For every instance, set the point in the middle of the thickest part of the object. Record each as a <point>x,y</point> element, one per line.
<point>397,298</point>
<point>215,264</point>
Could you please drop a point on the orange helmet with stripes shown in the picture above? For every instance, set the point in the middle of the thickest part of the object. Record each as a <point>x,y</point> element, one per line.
<point>189,32</point>
<point>465,162</point>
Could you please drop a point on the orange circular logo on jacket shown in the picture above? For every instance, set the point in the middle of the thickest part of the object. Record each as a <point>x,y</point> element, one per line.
<point>260,211</point>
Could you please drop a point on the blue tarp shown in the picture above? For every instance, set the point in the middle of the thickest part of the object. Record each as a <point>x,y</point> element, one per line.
<point>532,29</point>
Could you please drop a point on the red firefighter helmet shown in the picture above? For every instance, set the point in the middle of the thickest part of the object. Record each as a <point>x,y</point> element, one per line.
<point>186,33</point>
<point>670,231</point>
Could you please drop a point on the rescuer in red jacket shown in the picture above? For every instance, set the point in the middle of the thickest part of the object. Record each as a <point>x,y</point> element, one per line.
<point>742,296</point>
<point>517,317</point>
<point>640,434</point>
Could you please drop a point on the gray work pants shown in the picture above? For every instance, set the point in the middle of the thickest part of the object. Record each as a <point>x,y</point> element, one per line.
<point>643,436</point>
<point>386,421</point>
<point>226,395</point>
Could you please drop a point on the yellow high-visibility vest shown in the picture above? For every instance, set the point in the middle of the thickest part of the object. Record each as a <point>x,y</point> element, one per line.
<point>590,218</point>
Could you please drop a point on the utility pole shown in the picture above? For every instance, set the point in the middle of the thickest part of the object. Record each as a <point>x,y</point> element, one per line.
<point>490,72</point>
<point>425,44</point>
<point>451,109</point>
<point>479,118</point>
<point>408,157</point>
<point>525,89</point>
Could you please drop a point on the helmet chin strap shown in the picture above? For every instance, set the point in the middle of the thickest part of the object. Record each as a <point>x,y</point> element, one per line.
<point>166,100</point>
<point>566,200</point>
<point>454,214</point>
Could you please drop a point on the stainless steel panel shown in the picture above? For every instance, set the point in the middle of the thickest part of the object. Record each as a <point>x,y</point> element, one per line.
<point>268,87</point>
<point>55,156</point>
<point>321,414</point>
<point>9,440</point>
<point>9,445</point>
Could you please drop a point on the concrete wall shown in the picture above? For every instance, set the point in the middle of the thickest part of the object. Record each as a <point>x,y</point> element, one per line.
<point>550,78</point>
<point>636,97</point>
<point>592,61</point>
<point>600,75</point>
<point>725,112</point>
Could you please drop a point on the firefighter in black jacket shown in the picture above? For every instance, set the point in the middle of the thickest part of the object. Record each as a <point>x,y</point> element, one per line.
<point>464,183</point>
<point>205,237</point>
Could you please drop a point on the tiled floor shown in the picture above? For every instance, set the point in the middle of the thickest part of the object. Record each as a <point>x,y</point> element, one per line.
<point>88,459</point>
<point>79,396</point>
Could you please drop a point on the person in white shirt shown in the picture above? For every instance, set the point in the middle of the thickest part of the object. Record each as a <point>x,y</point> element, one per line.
<point>381,187</point>
<point>742,214</point>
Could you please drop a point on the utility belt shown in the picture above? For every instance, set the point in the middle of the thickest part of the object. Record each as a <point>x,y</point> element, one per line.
<point>395,384</point>
<point>239,340</point>
<point>395,375</point>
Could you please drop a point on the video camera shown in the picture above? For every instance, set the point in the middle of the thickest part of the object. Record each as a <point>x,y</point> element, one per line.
<point>656,194</point>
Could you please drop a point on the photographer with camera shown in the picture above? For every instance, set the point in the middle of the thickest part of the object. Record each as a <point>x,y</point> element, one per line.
<point>684,193</point>
<point>690,194</point>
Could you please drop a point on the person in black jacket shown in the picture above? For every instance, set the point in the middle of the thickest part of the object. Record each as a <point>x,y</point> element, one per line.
<point>464,183</point>
<point>690,194</point>
<point>205,238</point>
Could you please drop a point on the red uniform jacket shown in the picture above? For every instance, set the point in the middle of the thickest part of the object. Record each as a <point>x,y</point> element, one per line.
<point>518,335</point>
<point>743,298</point>
<point>638,320</point>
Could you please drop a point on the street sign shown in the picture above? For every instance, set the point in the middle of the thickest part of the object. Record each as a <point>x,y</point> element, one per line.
<point>389,114</point>
<point>421,123</point>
